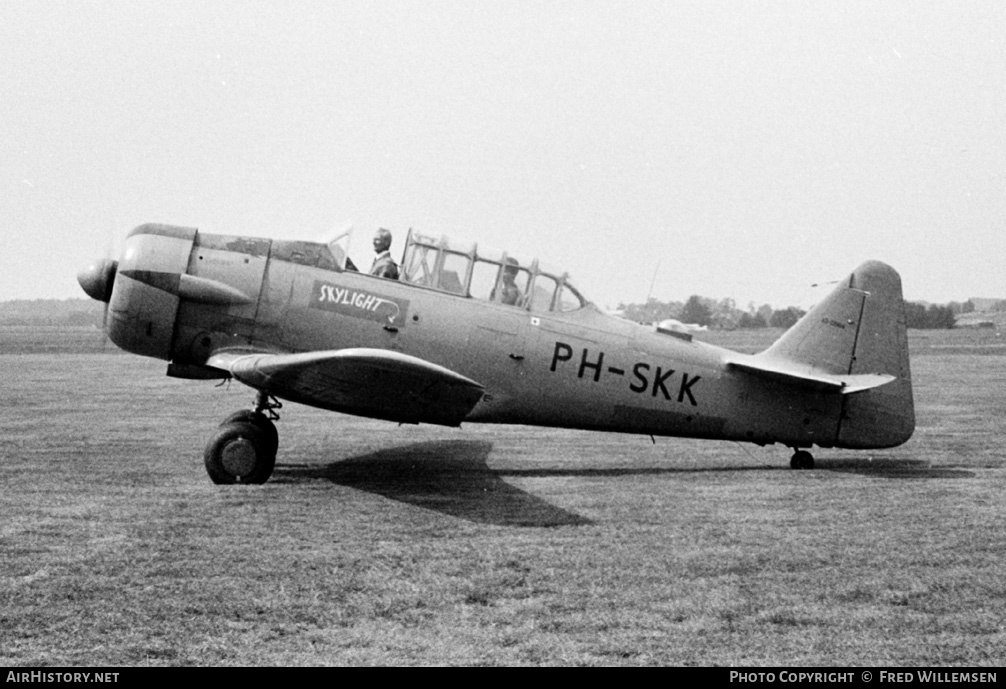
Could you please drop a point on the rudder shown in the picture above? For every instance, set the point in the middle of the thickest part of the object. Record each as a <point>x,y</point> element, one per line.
<point>884,416</point>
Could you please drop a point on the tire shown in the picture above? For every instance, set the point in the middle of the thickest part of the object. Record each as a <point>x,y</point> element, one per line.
<point>239,453</point>
<point>802,460</point>
<point>260,421</point>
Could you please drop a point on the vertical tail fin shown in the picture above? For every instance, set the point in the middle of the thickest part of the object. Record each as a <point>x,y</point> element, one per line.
<point>859,328</point>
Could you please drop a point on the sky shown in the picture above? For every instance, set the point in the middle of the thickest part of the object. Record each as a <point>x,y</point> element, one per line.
<point>743,150</point>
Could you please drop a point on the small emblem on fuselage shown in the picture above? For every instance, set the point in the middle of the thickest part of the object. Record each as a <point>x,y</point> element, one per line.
<point>359,303</point>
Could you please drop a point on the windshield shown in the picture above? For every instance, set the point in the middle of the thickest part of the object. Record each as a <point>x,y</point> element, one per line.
<point>338,244</point>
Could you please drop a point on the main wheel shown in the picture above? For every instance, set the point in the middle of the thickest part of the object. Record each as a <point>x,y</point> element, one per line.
<point>239,452</point>
<point>802,460</point>
<point>260,421</point>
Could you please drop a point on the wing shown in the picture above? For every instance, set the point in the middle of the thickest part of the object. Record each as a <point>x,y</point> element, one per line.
<point>377,383</point>
<point>793,374</point>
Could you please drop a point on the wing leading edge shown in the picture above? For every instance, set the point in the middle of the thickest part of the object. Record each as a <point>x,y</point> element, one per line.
<point>376,383</point>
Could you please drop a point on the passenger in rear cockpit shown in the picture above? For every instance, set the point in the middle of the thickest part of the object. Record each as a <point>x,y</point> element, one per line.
<point>509,291</point>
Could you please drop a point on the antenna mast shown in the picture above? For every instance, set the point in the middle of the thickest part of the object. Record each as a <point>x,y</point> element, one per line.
<point>652,282</point>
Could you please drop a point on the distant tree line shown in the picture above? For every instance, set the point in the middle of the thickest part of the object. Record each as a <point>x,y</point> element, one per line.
<point>51,312</point>
<point>724,314</point>
<point>931,316</point>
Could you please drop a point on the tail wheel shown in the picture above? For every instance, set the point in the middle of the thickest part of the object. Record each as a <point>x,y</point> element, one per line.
<point>802,460</point>
<point>239,452</point>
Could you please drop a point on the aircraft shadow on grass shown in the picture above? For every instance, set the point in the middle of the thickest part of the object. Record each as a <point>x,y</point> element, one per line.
<point>884,467</point>
<point>451,477</point>
<point>892,467</point>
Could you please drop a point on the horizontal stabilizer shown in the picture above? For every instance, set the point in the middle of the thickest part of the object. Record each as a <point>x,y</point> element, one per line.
<point>811,380</point>
<point>376,383</point>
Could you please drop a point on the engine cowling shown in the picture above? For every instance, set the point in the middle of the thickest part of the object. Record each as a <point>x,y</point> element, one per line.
<point>141,316</point>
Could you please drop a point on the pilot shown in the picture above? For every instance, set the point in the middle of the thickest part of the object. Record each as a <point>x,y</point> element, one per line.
<point>384,266</point>
<point>511,293</point>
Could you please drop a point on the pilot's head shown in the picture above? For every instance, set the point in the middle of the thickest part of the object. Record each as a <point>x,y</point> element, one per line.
<point>382,240</point>
<point>510,267</point>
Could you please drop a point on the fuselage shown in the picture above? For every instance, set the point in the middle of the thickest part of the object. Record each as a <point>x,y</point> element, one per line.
<point>578,368</point>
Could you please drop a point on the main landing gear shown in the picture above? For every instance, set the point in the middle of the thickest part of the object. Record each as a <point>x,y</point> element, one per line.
<point>243,448</point>
<point>801,460</point>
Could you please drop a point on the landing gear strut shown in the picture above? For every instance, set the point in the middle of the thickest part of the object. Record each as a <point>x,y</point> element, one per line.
<point>243,448</point>
<point>801,460</point>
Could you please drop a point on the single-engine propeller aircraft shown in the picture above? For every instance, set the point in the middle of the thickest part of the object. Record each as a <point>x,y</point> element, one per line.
<point>471,334</point>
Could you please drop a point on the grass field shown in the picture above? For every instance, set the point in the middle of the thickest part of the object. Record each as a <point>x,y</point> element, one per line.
<point>380,544</point>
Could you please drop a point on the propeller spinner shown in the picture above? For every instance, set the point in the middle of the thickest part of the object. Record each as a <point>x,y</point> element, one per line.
<point>98,279</point>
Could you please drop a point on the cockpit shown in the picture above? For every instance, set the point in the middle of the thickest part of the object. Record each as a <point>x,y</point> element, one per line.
<point>486,274</point>
<point>478,272</point>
